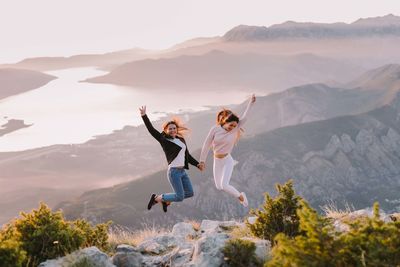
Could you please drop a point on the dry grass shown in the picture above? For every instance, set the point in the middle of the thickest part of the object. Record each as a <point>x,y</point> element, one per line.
<point>196,225</point>
<point>122,235</point>
<point>333,212</point>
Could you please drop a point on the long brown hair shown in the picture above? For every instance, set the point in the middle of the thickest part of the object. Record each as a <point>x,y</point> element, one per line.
<point>226,116</point>
<point>181,129</point>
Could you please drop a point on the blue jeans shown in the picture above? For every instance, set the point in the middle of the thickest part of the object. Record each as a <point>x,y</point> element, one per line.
<point>181,184</point>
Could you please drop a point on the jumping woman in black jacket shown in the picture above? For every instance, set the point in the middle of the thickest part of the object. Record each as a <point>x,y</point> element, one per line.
<point>178,157</point>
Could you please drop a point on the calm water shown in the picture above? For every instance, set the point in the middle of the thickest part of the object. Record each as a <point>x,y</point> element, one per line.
<point>67,111</point>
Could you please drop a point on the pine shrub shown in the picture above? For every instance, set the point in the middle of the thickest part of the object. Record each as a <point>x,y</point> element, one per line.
<point>240,253</point>
<point>370,242</point>
<point>43,234</point>
<point>277,215</point>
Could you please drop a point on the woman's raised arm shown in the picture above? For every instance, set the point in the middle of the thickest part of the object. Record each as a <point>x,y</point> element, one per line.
<point>156,134</point>
<point>243,117</point>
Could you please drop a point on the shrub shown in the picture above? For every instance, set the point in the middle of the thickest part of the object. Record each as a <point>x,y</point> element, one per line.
<point>93,236</point>
<point>43,234</point>
<point>278,215</point>
<point>370,242</point>
<point>314,248</point>
<point>11,253</point>
<point>240,253</point>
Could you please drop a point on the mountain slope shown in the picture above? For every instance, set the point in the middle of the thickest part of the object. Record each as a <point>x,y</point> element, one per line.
<point>131,152</point>
<point>350,158</point>
<point>220,71</point>
<point>16,81</point>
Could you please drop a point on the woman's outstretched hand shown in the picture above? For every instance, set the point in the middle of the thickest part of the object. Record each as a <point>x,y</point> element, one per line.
<point>142,110</point>
<point>253,98</point>
<point>201,166</point>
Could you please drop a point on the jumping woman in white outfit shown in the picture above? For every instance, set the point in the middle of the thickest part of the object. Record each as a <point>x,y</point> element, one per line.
<point>222,137</point>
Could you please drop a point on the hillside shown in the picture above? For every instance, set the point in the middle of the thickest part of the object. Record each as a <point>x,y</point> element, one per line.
<point>16,81</point>
<point>222,71</point>
<point>351,159</point>
<point>130,152</point>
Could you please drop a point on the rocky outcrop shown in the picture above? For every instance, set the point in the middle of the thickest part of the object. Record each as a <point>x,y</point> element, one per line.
<point>91,256</point>
<point>182,247</point>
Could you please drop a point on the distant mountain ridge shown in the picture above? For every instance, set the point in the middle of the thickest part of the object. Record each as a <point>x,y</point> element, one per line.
<point>388,25</point>
<point>218,71</point>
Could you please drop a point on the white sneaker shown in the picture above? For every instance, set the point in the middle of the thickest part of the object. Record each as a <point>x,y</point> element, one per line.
<point>245,203</point>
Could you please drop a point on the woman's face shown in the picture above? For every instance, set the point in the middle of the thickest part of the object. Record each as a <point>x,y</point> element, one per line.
<point>171,130</point>
<point>229,126</point>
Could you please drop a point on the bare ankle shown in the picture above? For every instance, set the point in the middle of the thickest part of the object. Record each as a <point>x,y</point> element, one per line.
<point>158,198</point>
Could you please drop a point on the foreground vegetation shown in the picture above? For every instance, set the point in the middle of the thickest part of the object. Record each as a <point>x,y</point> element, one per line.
<point>298,234</point>
<point>43,234</point>
<point>302,237</point>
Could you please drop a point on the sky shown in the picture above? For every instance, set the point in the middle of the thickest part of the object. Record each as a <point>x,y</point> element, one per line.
<point>68,27</point>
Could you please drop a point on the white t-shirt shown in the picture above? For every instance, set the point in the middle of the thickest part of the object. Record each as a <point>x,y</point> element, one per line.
<point>179,161</point>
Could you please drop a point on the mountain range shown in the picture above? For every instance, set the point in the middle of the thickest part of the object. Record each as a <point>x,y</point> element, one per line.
<point>330,155</point>
<point>388,25</point>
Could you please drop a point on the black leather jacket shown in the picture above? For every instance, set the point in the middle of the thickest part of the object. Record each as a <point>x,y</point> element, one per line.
<point>171,149</point>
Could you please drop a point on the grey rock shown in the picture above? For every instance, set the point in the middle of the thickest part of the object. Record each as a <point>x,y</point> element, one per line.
<point>166,259</point>
<point>125,248</point>
<point>211,227</point>
<point>158,245</point>
<point>91,255</point>
<point>127,259</point>
<point>183,230</point>
<point>208,250</point>
<point>368,212</point>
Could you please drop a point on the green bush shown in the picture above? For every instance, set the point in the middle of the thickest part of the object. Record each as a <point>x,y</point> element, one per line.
<point>312,249</point>
<point>370,242</point>
<point>93,236</point>
<point>278,215</point>
<point>11,253</point>
<point>43,234</point>
<point>240,253</point>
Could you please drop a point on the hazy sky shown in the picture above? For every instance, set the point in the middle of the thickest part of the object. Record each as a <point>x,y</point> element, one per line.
<point>66,27</point>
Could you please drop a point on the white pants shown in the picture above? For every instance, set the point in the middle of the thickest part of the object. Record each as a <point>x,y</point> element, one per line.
<point>222,174</point>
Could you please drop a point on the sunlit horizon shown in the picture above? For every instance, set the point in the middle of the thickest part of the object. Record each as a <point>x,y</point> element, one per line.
<point>64,28</point>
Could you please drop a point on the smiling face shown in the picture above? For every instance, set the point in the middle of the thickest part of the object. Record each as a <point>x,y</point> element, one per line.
<point>171,130</point>
<point>229,126</point>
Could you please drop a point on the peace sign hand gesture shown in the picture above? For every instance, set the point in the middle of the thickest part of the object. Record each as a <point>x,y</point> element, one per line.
<point>142,110</point>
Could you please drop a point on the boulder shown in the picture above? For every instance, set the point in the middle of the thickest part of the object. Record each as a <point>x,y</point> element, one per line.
<point>158,245</point>
<point>127,256</point>
<point>91,256</point>
<point>208,250</point>
<point>183,230</point>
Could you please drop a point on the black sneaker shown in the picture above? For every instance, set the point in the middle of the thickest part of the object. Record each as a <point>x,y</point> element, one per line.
<point>165,205</point>
<point>152,201</point>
